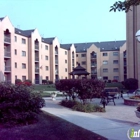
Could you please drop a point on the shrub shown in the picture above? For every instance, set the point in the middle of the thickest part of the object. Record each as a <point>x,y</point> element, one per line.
<point>18,104</point>
<point>131,84</point>
<point>75,105</point>
<point>109,81</point>
<point>115,81</point>
<point>88,108</point>
<point>44,82</point>
<point>138,107</point>
<point>17,81</point>
<point>50,82</point>
<point>68,103</point>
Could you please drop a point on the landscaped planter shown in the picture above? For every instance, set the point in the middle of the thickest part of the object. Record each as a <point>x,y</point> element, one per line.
<point>137,113</point>
<point>131,102</point>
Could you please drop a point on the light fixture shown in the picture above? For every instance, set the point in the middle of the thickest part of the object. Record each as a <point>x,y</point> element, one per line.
<point>138,35</point>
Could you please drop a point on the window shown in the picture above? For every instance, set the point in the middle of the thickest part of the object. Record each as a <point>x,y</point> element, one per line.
<point>47,68</point>
<point>65,69</point>
<point>23,66</point>
<point>47,78</point>
<point>115,53</point>
<point>105,62</point>
<point>15,38</point>
<point>83,55</point>
<point>46,47</point>
<point>76,55</point>
<point>115,61</point>
<point>15,52</point>
<point>116,78</point>
<point>65,52</point>
<point>23,53</point>
<point>46,57</point>
<point>23,41</point>
<point>83,62</point>
<point>104,54</point>
<point>115,69</point>
<point>15,77</point>
<point>15,65</point>
<point>105,70</point>
<point>65,61</point>
<point>105,78</point>
<point>23,78</point>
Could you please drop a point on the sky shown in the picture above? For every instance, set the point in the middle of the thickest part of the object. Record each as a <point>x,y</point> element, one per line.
<point>71,21</point>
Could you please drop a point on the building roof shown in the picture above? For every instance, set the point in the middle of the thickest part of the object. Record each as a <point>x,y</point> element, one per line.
<point>104,46</point>
<point>1,18</point>
<point>65,46</point>
<point>48,40</point>
<point>26,33</point>
<point>79,70</point>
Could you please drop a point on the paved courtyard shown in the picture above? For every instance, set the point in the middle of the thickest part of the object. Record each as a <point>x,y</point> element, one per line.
<point>113,124</point>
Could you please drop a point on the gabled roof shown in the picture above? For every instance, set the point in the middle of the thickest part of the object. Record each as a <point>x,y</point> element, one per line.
<point>1,18</point>
<point>48,40</point>
<point>79,70</point>
<point>104,46</point>
<point>26,33</point>
<point>65,46</point>
<point>82,47</point>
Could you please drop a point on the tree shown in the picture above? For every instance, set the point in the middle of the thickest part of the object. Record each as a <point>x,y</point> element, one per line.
<point>124,6</point>
<point>131,84</point>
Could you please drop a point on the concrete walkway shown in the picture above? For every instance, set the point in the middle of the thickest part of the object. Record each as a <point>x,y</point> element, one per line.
<point>100,123</point>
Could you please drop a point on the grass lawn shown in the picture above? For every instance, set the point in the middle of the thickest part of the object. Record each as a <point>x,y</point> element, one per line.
<point>49,127</point>
<point>45,87</point>
<point>115,84</point>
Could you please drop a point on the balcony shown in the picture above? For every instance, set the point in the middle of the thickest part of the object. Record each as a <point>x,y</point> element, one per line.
<point>56,52</point>
<point>36,58</point>
<point>7,54</point>
<point>37,47</point>
<point>93,72</point>
<point>36,81</point>
<point>56,62</point>
<point>36,69</point>
<point>7,39</point>
<point>56,71</point>
<point>93,56</point>
<point>7,69</point>
<point>93,65</point>
<point>73,57</point>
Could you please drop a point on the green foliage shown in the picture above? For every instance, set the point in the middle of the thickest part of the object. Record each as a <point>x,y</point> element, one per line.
<point>85,88</point>
<point>17,81</point>
<point>124,6</point>
<point>131,84</point>
<point>18,104</point>
<point>75,105</point>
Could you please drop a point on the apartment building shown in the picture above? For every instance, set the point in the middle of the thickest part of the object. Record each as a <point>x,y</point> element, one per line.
<point>24,54</point>
<point>106,60</point>
<point>133,46</point>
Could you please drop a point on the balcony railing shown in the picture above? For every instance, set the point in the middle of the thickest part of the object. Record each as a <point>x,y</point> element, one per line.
<point>73,57</point>
<point>94,72</point>
<point>7,54</point>
<point>56,72</point>
<point>56,52</point>
<point>37,69</point>
<point>93,56</point>
<point>36,47</point>
<point>56,61</point>
<point>7,68</point>
<point>7,39</point>
<point>93,65</point>
<point>36,81</point>
<point>36,58</point>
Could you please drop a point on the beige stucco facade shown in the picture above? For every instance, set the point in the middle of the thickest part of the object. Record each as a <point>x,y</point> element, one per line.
<point>133,46</point>
<point>24,54</point>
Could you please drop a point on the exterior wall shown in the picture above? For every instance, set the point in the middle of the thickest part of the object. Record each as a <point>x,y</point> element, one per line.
<point>18,58</point>
<point>58,62</point>
<point>133,47</point>
<point>45,62</point>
